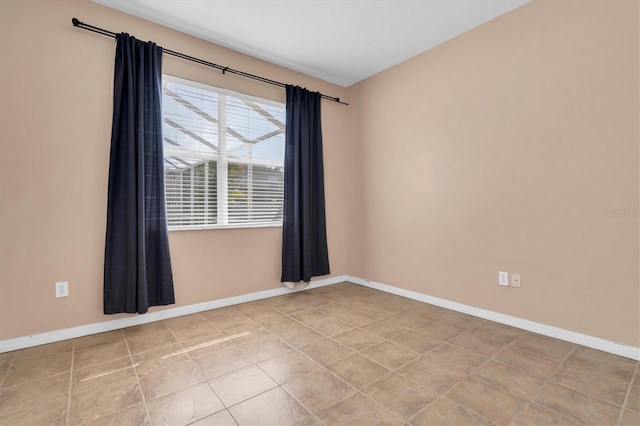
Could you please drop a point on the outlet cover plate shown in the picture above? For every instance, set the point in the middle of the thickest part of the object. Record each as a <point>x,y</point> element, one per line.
<point>62,289</point>
<point>516,281</point>
<point>503,278</point>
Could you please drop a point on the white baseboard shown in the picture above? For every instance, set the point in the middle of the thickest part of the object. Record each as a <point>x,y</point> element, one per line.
<point>100,327</point>
<point>536,327</point>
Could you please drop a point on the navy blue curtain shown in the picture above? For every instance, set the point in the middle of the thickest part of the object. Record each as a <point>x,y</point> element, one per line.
<point>137,267</point>
<point>304,230</point>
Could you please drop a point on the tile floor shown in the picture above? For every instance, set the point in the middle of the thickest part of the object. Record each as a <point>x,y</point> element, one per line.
<point>342,354</point>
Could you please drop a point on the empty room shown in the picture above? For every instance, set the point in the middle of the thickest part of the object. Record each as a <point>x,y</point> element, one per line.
<point>320,212</point>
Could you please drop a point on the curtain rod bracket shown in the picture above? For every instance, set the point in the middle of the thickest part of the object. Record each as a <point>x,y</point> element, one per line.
<point>224,70</point>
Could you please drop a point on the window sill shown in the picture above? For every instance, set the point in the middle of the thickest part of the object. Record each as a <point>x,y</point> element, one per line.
<point>230,226</point>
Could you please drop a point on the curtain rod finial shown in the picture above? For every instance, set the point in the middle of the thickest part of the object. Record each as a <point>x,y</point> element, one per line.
<point>75,22</point>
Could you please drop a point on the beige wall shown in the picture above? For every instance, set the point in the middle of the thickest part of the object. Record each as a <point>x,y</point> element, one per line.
<point>499,151</point>
<point>55,121</point>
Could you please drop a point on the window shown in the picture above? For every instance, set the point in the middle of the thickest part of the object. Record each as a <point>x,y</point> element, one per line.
<point>223,157</point>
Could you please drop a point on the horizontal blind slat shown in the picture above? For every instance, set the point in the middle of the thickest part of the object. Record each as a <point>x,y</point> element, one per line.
<point>252,163</point>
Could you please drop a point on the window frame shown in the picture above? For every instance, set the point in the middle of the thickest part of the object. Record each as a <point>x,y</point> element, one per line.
<point>250,98</point>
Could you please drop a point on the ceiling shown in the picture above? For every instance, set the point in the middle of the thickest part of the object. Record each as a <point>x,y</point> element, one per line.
<point>341,41</point>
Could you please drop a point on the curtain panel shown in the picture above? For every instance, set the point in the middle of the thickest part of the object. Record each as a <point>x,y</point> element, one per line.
<point>304,231</point>
<point>137,267</point>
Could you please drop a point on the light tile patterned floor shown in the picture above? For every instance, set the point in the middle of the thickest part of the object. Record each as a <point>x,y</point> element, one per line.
<point>342,354</point>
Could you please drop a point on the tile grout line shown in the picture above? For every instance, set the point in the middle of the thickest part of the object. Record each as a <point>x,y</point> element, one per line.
<point>254,363</point>
<point>487,361</point>
<point>512,345</point>
<point>518,368</point>
<point>135,372</point>
<point>73,356</point>
<point>208,381</point>
<point>6,373</point>
<point>468,376</point>
<point>546,381</point>
<point>562,363</point>
<point>580,391</point>
<point>390,371</point>
<point>404,420</point>
<point>279,385</point>
<point>425,408</point>
<point>223,404</point>
<point>469,409</point>
<point>626,397</point>
<point>324,367</point>
<point>588,371</point>
<point>395,371</point>
<point>335,360</point>
<point>303,405</point>
<point>331,405</point>
<point>189,358</point>
<point>36,360</point>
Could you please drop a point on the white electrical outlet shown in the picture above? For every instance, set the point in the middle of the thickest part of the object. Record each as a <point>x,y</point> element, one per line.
<point>503,278</point>
<point>62,289</point>
<point>516,281</point>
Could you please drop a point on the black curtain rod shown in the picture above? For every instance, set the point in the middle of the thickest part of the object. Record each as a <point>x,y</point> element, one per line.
<point>77,23</point>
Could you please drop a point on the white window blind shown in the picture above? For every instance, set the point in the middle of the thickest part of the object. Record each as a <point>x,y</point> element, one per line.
<point>223,155</point>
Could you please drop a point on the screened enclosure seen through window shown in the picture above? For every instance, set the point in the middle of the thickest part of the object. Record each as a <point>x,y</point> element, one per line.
<point>223,157</point>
